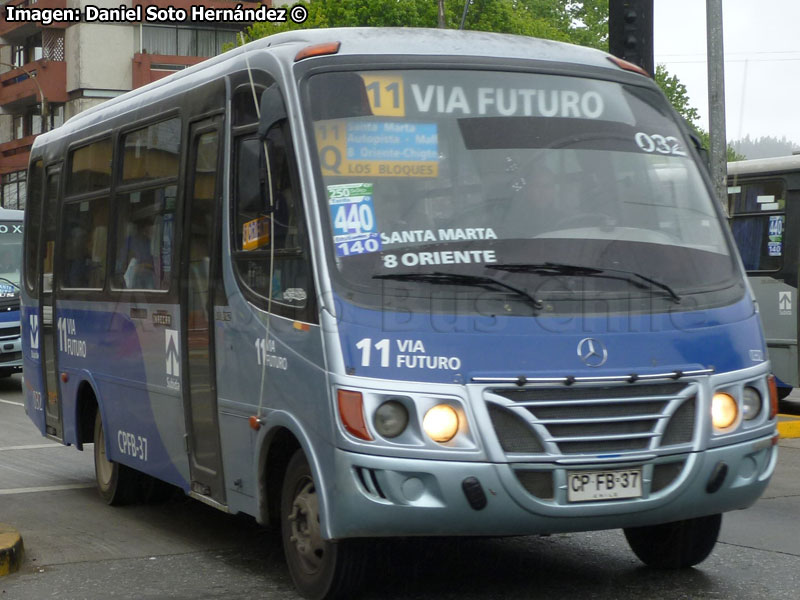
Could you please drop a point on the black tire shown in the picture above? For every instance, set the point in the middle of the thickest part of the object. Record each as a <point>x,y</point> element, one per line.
<point>116,483</point>
<point>320,569</point>
<point>783,392</point>
<point>675,545</point>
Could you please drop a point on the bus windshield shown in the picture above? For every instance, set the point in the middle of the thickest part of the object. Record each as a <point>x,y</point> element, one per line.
<point>565,188</point>
<point>10,258</point>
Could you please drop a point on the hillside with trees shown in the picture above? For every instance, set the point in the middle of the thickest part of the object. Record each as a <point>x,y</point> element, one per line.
<point>764,146</point>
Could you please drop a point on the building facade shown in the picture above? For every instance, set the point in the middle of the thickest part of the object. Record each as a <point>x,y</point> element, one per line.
<point>51,70</point>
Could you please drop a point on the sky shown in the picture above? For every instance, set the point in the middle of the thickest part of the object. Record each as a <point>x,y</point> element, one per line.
<point>762,61</point>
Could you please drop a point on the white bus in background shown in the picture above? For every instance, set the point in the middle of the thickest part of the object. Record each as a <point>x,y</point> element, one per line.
<point>764,209</point>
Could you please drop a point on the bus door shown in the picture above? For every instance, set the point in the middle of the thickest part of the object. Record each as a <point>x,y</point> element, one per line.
<point>200,258</point>
<point>48,329</point>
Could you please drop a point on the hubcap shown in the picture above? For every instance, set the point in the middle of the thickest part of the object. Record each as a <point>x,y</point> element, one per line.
<point>305,532</point>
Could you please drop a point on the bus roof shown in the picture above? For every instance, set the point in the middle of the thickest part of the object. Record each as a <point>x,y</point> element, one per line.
<point>759,166</point>
<point>390,41</point>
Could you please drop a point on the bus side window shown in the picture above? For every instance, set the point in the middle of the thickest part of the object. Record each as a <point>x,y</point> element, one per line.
<point>33,224</point>
<point>86,227</point>
<point>145,223</point>
<point>144,239</point>
<point>758,223</point>
<point>264,227</point>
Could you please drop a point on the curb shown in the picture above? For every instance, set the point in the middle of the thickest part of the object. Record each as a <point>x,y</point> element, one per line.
<point>11,550</point>
<point>789,426</point>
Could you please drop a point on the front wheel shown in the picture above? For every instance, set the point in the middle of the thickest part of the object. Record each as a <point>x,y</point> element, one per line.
<point>675,545</point>
<point>116,483</point>
<point>320,569</point>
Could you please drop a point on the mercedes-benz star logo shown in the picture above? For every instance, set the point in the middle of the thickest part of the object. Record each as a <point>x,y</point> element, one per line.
<point>592,352</point>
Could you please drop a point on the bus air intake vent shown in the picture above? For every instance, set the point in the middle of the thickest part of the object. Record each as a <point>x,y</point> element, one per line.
<point>369,482</point>
<point>681,425</point>
<point>537,483</point>
<point>513,433</point>
<point>594,420</point>
<point>665,474</point>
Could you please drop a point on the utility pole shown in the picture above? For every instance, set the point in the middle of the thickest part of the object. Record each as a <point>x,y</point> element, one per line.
<point>716,100</point>
<point>441,15</point>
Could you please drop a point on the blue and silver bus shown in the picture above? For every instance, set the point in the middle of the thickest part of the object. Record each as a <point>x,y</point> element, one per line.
<point>369,283</point>
<point>10,269</point>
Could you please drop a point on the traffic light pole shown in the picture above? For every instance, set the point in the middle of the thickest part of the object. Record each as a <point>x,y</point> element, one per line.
<point>716,100</point>
<point>630,31</point>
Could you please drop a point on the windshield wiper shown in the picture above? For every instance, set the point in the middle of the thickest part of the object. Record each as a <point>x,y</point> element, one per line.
<point>16,285</point>
<point>551,268</point>
<point>462,279</point>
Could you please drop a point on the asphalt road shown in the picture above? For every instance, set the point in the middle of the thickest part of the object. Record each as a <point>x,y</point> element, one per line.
<point>79,548</point>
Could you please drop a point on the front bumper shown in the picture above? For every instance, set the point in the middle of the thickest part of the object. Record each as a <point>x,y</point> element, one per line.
<point>375,496</point>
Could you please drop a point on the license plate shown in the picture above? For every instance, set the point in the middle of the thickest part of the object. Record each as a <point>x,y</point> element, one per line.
<point>585,486</point>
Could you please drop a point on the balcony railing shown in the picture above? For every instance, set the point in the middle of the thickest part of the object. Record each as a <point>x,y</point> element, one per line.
<point>17,86</point>
<point>14,154</point>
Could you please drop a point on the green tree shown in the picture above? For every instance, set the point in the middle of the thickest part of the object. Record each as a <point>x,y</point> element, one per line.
<point>550,19</point>
<point>588,25</point>
<point>676,93</point>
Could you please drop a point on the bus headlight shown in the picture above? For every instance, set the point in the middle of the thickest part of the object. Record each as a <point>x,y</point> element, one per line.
<point>441,423</point>
<point>723,411</point>
<point>391,419</point>
<point>751,403</point>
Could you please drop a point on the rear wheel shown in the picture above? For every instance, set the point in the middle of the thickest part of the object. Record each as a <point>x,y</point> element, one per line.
<point>116,483</point>
<point>321,569</point>
<point>675,545</point>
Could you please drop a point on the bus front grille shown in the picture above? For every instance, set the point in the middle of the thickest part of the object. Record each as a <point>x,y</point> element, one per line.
<point>593,421</point>
<point>9,332</point>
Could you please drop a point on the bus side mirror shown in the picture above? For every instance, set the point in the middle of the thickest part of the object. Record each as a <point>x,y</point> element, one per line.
<point>273,110</point>
<point>701,150</point>
<point>698,144</point>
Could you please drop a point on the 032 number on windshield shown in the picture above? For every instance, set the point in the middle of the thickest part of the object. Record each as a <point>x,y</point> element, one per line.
<point>659,144</point>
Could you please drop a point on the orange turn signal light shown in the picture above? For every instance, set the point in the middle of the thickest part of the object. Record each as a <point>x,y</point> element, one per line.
<point>773,396</point>
<point>318,50</point>
<point>351,412</point>
<point>628,66</point>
